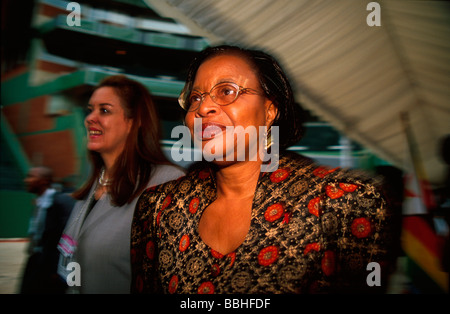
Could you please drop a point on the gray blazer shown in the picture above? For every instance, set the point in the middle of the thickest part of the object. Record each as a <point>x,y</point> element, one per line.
<point>103,240</point>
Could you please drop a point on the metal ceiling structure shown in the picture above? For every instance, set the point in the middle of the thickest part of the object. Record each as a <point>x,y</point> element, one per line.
<point>367,81</point>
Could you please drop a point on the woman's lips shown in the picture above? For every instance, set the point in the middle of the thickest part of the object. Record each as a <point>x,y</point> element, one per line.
<point>211,130</point>
<point>94,132</point>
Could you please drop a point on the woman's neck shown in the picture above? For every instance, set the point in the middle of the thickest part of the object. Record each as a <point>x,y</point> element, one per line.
<point>108,165</point>
<point>238,181</point>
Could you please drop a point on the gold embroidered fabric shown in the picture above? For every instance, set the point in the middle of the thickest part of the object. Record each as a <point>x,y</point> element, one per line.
<point>313,229</point>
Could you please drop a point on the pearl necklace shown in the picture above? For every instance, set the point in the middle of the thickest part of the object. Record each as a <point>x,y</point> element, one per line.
<point>102,181</point>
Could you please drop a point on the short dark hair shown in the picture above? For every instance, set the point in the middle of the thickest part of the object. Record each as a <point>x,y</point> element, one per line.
<point>45,173</point>
<point>274,82</point>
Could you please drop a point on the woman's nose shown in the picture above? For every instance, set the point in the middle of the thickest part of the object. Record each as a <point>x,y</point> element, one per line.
<point>91,117</point>
<point>207,106</point>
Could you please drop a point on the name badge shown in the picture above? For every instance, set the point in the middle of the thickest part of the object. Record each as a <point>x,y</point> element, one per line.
<point>67,245</point>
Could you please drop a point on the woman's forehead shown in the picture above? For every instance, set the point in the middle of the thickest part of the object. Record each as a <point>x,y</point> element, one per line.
<point>225,68</point>
<point>228,62</point>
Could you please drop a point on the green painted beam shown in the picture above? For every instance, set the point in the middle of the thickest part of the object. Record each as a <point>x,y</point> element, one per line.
<point>131,35</point>
<point>16,90</point>
<point>14,145</point>
<point>86,76</point>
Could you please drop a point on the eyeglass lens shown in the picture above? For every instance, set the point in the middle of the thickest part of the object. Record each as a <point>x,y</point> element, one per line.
<point>221,94</point>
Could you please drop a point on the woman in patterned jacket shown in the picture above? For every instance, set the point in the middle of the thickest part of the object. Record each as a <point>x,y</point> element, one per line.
<point>235,225</point>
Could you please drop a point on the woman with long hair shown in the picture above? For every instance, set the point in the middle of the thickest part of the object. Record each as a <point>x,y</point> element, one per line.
<point>123,133</point>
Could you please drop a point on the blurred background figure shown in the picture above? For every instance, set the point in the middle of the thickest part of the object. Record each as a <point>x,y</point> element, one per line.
<point>52,209</point>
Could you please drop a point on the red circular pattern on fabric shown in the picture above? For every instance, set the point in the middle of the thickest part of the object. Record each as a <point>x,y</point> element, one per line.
<point>334,192</point>
<point>274,212</point>
<point>361,228</point>
<point>166,202</point>
<point>173,284</point>
<point>268,255</point>
<point>216,254</point>
<point>314,206</point>
<point>322,171</point>
<point>184,243</point>
<point>311,247</point>
<point>206,288</point>
<point>193,205</point>
<point>279,175</point>
<point>348,187</point>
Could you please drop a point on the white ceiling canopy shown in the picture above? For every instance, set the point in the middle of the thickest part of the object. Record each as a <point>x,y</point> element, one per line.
<point>361,79</point>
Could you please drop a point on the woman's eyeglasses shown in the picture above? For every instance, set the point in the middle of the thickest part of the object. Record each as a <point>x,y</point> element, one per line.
<point>222,94</point>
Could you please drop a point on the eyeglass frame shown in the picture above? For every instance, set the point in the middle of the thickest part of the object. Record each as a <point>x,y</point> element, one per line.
<point>182,99</point>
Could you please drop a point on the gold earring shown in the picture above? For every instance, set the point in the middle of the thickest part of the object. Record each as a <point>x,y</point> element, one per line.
<point>268,138</point>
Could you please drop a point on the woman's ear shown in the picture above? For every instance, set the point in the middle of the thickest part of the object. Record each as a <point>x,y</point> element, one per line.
<point>271,113</point>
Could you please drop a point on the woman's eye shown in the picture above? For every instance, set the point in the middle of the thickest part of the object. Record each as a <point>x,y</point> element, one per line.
<point>194,99</point>
<point>226,91</point>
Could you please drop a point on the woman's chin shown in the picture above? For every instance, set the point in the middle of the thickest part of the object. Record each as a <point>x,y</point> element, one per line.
<point>93,148</point>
